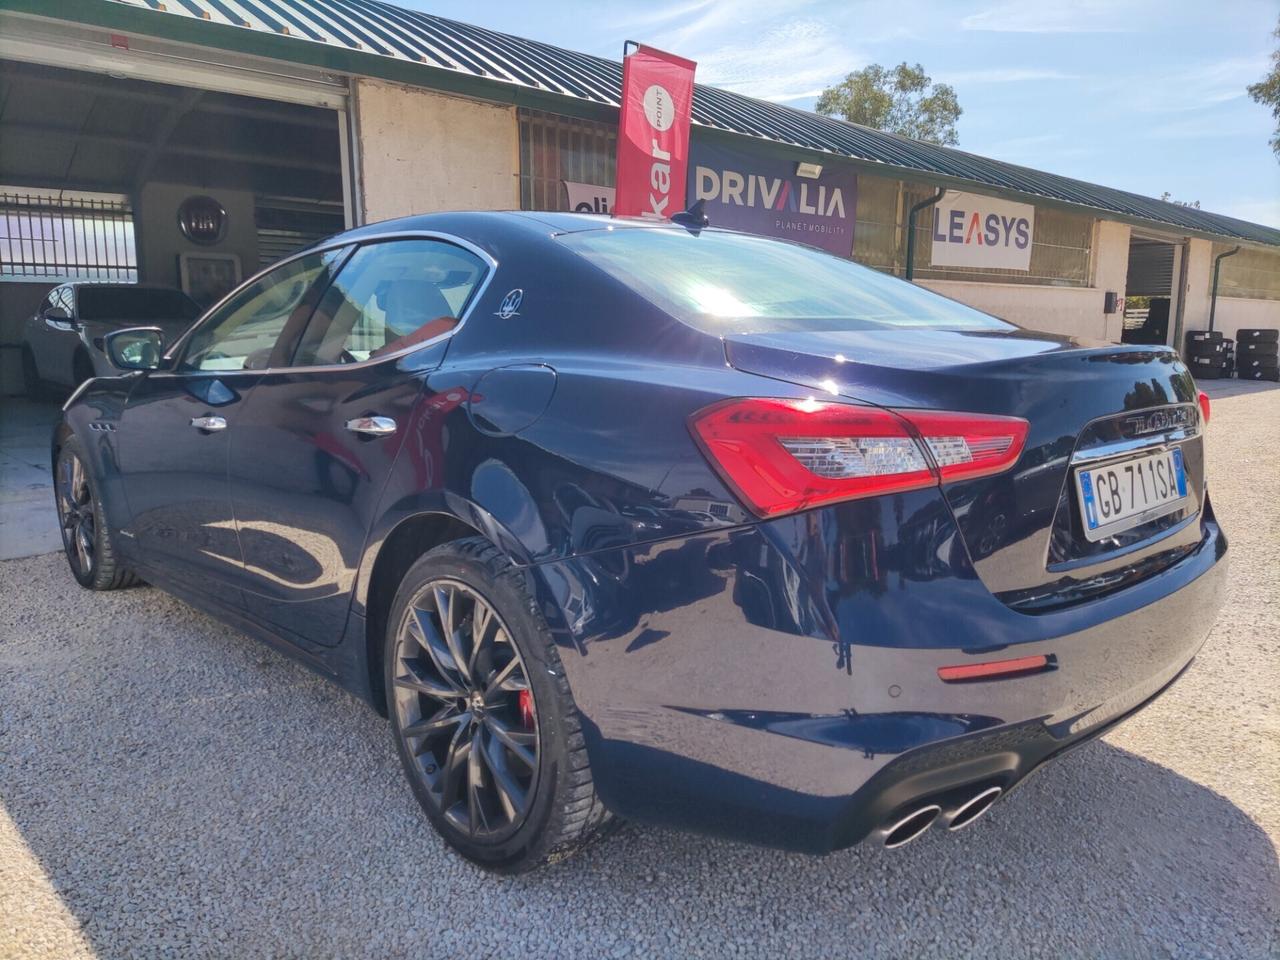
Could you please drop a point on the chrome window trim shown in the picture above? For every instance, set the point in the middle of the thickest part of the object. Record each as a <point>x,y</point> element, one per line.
<point>476,296</point>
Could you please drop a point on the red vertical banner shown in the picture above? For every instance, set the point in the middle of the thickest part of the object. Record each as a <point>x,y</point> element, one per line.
<point>653,134</point>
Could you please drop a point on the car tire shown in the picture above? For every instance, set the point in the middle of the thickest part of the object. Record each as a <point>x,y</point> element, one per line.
<point>86,538</point>
<point>512,811</point>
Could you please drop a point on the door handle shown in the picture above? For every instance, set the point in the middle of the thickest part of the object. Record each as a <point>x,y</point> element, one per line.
<point>209,424</point>
<point>372,426</point>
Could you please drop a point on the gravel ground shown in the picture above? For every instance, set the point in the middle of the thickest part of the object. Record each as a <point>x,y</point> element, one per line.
<point>169,787</point>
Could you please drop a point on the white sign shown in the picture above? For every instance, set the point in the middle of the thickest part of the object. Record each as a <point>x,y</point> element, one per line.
<point>970,230</point>
<point>588,198</point>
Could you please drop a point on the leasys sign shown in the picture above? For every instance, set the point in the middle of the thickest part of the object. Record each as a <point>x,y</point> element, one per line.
<point>975,231</point>
<point>653,135</point>
<point>762,195</point>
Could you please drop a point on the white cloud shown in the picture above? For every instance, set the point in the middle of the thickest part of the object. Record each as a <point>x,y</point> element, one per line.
<point>1004,75</point>
<point>789,62</point>
<point>1265,210</point>
<point>1064,16</point>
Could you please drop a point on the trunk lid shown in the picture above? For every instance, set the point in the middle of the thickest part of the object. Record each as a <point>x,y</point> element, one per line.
<point>1084,401</point>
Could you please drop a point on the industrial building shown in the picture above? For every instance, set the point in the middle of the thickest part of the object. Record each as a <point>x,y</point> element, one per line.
<point>292,119</point>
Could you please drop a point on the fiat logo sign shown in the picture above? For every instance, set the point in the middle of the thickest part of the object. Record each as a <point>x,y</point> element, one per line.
<point>202,220</point>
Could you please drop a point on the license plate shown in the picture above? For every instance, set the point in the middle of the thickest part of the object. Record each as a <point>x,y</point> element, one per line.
<point>1124,493</point>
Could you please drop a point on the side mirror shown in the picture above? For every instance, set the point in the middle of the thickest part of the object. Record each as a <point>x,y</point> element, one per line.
<point>135,348</point>
<point>57,313</point>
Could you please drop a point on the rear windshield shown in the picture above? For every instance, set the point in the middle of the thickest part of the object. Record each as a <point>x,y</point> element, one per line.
<point>725,283</point>
<point>134,303</point>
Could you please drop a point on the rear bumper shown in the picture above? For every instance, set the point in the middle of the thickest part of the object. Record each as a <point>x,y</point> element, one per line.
<point>751,685</point>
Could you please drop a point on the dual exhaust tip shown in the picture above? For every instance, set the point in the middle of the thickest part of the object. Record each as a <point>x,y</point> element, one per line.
<point>917,821</point>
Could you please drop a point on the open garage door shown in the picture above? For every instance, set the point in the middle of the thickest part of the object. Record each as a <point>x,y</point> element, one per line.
<point>114,179</point>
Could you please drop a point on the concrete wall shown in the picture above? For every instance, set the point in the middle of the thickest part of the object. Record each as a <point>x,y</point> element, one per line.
<point>1236,312</point>
<point>160,240</point>
<point>1076,311</point>
<point>421,152</point>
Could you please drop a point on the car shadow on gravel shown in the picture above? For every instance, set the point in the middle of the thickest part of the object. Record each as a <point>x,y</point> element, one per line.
<point>186,790</point>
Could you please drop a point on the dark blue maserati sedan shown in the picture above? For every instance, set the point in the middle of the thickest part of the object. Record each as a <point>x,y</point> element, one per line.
<point>662,522</point>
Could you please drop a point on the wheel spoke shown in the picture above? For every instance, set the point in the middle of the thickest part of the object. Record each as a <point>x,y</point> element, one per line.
<point>517,741</point>
<point>510,794</point>
<point>447,606</point>
<point>507,679</point>
<point>84,549</point>
<point>432,688</point>
<point>483,628</point>
<point>459,748</point>
<point>428,637</point>
<point>443,719</point>
<point>78,482</point>
<point>475,803</point>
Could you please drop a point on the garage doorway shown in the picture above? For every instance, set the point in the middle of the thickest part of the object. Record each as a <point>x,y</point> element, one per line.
<point>111,179</point>
<point>1151,290</point>
<point>108,179</point>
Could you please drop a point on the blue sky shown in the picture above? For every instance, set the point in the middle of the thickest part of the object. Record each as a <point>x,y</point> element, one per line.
<point>1145,95</point>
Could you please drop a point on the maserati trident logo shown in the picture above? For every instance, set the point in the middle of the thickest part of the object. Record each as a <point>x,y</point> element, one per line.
<point>1159,420</point>
<point>510,306</point>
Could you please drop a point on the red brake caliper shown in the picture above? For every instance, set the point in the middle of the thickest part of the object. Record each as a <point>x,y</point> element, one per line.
<point>526,709</point>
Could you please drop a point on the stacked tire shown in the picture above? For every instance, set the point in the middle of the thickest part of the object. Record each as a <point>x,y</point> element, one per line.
<point>1256,354</point>
<point>1206,354</point>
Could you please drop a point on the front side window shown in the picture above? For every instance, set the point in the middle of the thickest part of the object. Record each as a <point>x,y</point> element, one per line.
<point>242,333</point>
<point>732,283</point>
<point>388,297</point>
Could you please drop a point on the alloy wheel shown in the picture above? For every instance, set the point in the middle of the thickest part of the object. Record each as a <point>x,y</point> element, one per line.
<point>77,514</point>
<point>465,710</point>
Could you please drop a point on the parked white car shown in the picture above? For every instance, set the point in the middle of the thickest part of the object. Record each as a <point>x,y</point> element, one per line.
<point>63,339</point>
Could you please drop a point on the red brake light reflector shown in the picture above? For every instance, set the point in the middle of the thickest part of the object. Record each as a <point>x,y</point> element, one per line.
<point>1204,407</point>
<point>966,445</point>
<point>992,669</point>
<point>780,455</point>
<point>784,455</point>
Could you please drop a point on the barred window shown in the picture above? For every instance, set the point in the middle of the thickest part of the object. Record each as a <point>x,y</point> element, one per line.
<point>879,232</point>
<point>59,235</point>
<point>1252,274</point>
<point>555,148</point>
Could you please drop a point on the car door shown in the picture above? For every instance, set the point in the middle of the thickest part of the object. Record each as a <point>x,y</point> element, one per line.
<point>54,335</point>
<point>173,434</point>
<point>313,448</point>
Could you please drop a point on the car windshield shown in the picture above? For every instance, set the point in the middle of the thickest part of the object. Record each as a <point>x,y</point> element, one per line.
<point>141,304</point>
<point>725,283</point>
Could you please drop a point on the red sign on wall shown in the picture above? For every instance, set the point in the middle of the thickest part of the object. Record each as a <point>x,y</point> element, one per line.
<point>653,135</point>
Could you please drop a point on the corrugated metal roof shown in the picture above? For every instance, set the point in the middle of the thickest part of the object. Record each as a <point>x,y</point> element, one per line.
<point>379,28</point>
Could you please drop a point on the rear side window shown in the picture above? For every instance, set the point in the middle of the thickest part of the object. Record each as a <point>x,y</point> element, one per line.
<point>727,283</point>
<point>389,297</point>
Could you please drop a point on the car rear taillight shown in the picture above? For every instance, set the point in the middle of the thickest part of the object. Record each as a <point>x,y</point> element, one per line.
<point>1204,407</point>
<point>781,456</point>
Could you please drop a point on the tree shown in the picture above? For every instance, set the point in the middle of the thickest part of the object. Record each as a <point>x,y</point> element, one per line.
<point>1267,92</point>
<point>902,100</point>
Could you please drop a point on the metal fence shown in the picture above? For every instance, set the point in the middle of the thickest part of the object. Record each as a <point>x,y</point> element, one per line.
<point>52,235</point>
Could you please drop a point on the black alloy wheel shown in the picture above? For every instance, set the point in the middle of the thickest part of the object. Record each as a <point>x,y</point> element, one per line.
<point>464,705</point>
<point>86,540</point>
<point>77,516</point>
<point>485,725</point>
